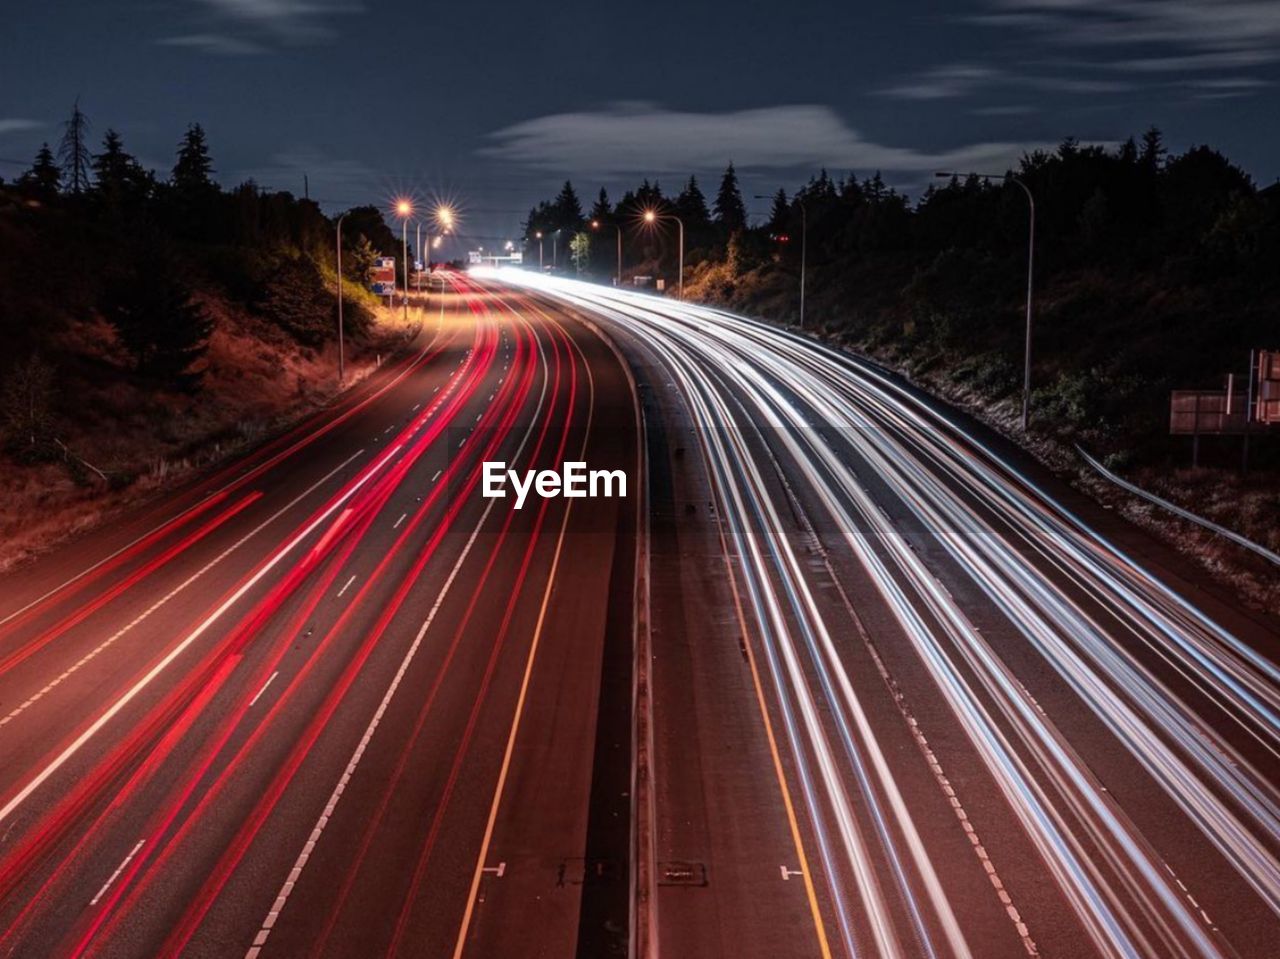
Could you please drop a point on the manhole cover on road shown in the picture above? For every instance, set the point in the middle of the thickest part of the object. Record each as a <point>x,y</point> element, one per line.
<point>682,874</point>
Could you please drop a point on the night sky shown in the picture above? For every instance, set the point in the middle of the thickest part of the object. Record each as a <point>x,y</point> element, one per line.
<point>493,104</point>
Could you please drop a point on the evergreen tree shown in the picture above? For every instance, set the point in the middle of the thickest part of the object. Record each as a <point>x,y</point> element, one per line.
<point>602,210</point>
<point>568,209</point>
<point>157,321</point>
<point>780,214</point>
<point>192,173</point>
<point>44,178</point>
<point>117,174</point>
<point>731,212</point>
<point>691,205</point>
<point>74,151</point>
<point>1153,150</point>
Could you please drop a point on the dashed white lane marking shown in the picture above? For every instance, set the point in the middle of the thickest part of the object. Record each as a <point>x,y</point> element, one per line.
<point>346,586</point>
<point>388,429</point>
<point>788,873</point>
<point>115,637</point>
<point>498,871</point>
<point>478,415</point>
<point>415,407</point>
<point>436,390</point>
<point>461,441</point>
<point>270,680</point>
<point>437,476</point>
<point>119,869</point>
<point>309,846</point>
<point>400,520</point>
<point>78,743</point>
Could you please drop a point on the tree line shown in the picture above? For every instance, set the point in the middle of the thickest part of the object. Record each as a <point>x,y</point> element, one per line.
<point>87,232</point>
<point>1154,270</point>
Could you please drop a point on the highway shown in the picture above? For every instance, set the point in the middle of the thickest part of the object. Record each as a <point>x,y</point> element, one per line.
<point>938,704</point>
<point>843,675</point>
<point>331,701</point>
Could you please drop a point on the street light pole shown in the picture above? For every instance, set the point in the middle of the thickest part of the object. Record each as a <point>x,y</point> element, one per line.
<point>804,243</point>
<point>1031,257</point>
<point>418,249</point>
<point>341,357</point>
<point>541,268</point>
<point>404,239</point>
<point>555,250</point>
<point>651,216</point>
<point>595,225</point>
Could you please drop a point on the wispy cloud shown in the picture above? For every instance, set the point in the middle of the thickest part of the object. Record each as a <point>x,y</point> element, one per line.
<point>1168,35</point>
<point>240,27</point>
<point>17,125</point>
<point>645,138</point>
<point>940,83</point>
<point>213,43</point>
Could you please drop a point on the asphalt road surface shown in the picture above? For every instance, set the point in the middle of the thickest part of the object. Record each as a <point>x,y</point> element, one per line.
<point>842,675</point>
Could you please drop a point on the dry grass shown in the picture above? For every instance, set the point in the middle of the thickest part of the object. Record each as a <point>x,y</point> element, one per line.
<point>256,382</point>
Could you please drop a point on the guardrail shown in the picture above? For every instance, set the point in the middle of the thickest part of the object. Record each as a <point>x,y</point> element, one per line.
<point>1179,511</point>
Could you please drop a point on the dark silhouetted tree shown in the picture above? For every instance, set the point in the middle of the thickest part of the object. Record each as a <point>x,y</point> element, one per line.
<point>193,171</point>
<point>779,214</point>
<point>731,212</point>
<point>118,176</point>
<point>602,210</point>
<point>74,151</point>
<point>44,177</point>
<point>568,209</point>
<point>164,330</point>
<point>691,205</point>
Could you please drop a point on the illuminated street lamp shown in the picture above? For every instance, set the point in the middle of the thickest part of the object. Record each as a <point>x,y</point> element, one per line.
<point>652,216</point>
<point>804,238</point>
<point>555,249</point>
<point>538,236</point>
<point>404,209</point>
<point>595,225</point>
<point>1031,257</point>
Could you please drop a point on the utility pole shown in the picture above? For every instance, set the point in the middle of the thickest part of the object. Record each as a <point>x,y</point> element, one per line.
<point>341,357</point>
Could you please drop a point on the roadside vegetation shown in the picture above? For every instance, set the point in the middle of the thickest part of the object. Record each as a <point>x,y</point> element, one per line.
<point>157,322</point>
<point>1154,271</point>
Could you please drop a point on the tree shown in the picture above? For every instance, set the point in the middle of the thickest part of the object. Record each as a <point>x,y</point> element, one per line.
<point>731,212</point>
<point>74,151</point>
<point>691,205</point>
<point>157,321</point>
<point>26,410</point>
<point>602,210</point>
<point>44,177</point>
<point>192,173</point>
<point>568,209</point>
<point>118,175</point>
<point>580,251</point>
<point>1153,150</point>
<point>780,214</point>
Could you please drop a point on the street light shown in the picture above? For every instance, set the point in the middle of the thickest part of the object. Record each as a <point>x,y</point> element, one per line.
<point>341,358</point>
<point>555,249</point>
<point>652,216</point>
<point>804,242</point>
<point>538,235</point>
<point>404,209</point>
<point>595,225</point>
<point>1031,257</point>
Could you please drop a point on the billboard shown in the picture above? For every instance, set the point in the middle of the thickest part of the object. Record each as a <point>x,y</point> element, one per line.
<point>383,276</point>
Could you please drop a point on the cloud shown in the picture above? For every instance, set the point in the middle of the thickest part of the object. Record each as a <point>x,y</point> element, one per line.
<point>17,125</point>
<point>648,139</point>
<point>213,43</point>
<point>240,27</point>
<point>1192,34</point>
<point>942,83</point>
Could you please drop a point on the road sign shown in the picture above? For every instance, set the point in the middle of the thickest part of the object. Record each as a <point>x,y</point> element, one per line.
<point>383,276</point>
<point>1268,398</point>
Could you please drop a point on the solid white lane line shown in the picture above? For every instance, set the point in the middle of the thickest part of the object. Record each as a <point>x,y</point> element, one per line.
<point>269,681</point>
<point>119,869</point>
<point>346,585</point>
<point>78,743</point>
